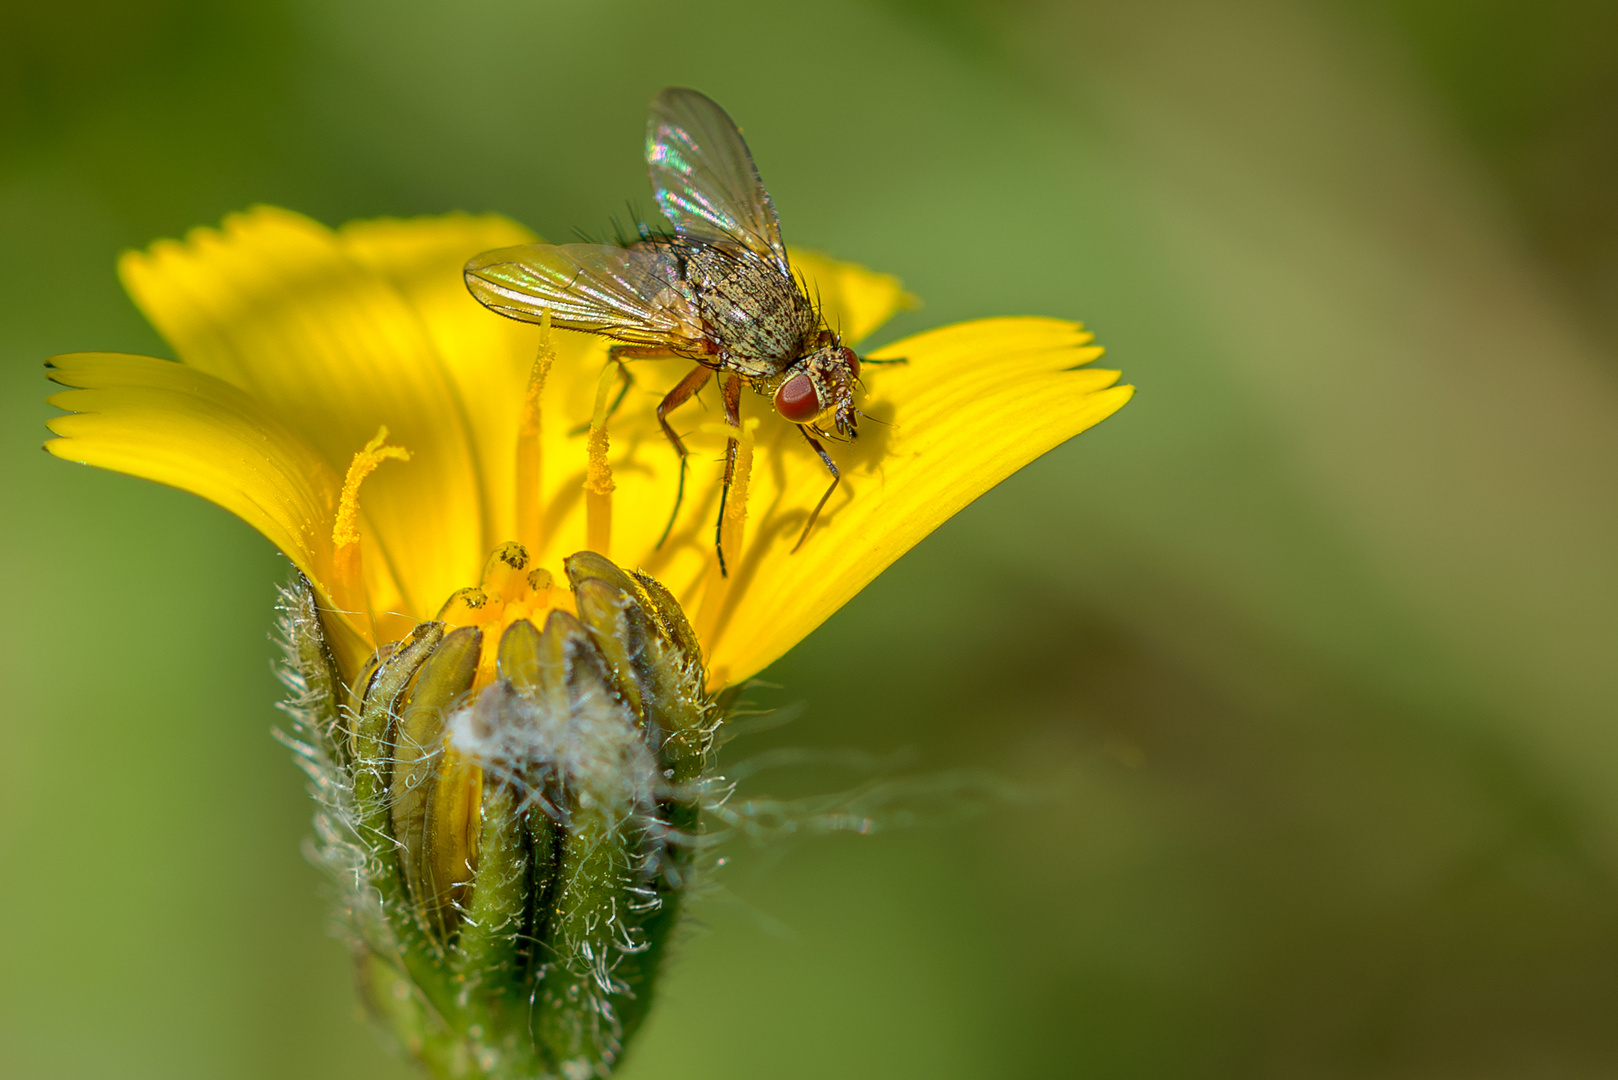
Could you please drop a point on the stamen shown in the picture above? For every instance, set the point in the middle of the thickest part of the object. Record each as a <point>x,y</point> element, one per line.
<point>465,607</point>
<point>504,579</point>
<point>345,532</point>
<point>598,485</point>
<point>346,529</point>
<point>508,592</point>
<point>530,444</point>
<point>505,585</point>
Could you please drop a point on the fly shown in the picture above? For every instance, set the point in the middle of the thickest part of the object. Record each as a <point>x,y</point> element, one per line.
<point>719,290</point>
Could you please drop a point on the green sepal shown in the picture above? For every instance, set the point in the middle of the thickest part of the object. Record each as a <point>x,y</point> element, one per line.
<point>418,752</point>
<point>527,948</point>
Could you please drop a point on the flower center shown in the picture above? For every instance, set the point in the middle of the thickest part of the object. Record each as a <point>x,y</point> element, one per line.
<point>509,590</point>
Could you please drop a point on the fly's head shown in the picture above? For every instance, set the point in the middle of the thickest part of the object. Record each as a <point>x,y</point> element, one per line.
<point>818,390</point>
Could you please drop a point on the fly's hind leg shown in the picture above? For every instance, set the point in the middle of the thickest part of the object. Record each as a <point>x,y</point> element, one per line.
<point>836,478</point>
<point>617,355</point>
<point>683,391</point>
<point>733,416</point>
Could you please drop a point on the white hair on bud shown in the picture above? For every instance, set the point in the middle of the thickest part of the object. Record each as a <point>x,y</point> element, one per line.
<point>593,746</point>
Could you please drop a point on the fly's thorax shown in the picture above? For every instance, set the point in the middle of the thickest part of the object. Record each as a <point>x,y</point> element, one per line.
<point>818,389</point>
<point>757,316</point>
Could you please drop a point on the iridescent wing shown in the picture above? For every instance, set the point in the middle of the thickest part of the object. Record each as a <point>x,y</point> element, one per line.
<point>632,294</point>
<point>704,177</point>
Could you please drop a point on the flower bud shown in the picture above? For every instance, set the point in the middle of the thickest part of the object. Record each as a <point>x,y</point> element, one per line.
<point>512,850</point>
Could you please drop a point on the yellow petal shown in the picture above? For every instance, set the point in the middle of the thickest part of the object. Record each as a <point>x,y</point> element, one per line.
<point>272,305</point>
<point>853,300</point>
<point>489,358</point>
<point>974,403</point>
<point>167,422</point>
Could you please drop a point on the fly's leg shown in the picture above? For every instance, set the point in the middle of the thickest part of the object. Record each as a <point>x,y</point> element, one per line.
<point>683,391</point>
<point>617,355</point>
<point>733,416</point>
<point>836,478</point>
<point>866,361</point>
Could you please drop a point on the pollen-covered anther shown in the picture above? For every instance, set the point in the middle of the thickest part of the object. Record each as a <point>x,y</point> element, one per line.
<point>504,574</point>
<point>348,584</point>
<point>345,529</point>
<point>465,607</point>
<point>598,484</point>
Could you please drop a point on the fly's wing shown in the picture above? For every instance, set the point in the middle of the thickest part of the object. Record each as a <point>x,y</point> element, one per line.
<point>704,177</point>
<point>632,294</point>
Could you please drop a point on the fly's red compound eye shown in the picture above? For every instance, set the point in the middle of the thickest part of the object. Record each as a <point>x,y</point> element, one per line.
<point>797,400</point>
<point>852,361</point>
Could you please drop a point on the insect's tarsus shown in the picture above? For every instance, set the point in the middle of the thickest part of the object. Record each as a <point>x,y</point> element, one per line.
<point>679,497</point>
<point>732,396</point>
<point>719,526</point>
<point>623,391</point>
<point>836,478</point>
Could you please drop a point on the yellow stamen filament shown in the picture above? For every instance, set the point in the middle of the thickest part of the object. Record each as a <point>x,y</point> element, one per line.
<point>530,446</point>
<point>598,485</point>
<point>345,531</point>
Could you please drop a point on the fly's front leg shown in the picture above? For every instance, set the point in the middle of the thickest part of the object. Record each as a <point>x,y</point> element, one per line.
<point>683,391</point>
<point>733,417</point>
<point>836,478</point>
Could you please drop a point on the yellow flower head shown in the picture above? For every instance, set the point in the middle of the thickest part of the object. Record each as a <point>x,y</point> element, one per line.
<point>512,776</point>
<point>342,393</point>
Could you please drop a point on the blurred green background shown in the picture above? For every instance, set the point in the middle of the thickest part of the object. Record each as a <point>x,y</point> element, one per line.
<point>1310,648</point>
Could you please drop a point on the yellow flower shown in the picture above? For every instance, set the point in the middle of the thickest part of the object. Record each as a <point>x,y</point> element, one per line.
<point>343,394</point>
<point>514,851</point>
